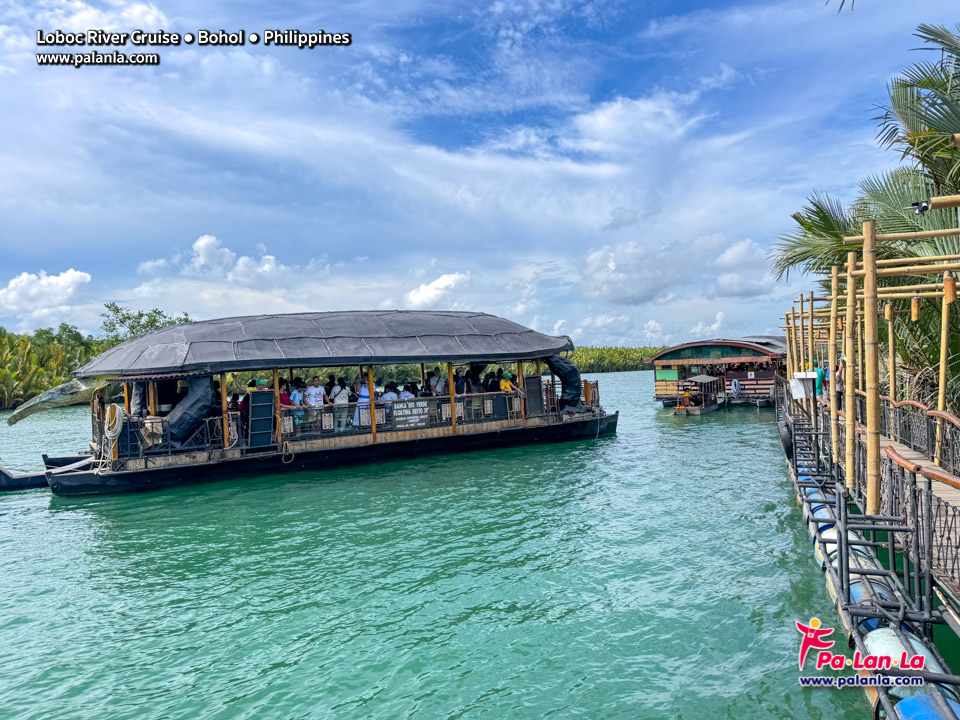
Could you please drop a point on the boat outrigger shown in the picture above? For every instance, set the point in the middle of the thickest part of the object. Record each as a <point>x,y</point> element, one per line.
<point>159,437</point>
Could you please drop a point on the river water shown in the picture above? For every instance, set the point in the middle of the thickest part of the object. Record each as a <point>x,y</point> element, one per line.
<point>655,574</point>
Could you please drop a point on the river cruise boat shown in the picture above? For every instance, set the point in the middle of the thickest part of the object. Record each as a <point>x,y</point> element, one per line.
<point>176,423</point>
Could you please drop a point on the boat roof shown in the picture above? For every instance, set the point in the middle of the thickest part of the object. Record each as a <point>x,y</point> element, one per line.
<point>701,379</point>
<point>324,339</point>
<point>768,345</point>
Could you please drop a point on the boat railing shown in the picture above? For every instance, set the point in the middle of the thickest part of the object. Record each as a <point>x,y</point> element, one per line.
<point>397,415</point>
<point>145,437</point>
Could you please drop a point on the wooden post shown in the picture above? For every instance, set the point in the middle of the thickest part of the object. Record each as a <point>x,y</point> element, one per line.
<point>126,397</point>
<point>423,376</point>
<point>888,313</point>
<point>539,368</point>
<point>872,365</point>
<point>789,359</point>
<point>276,403</point>
<point>849,375</point>
<point>453,398</point>
<point>226,410</point>
<point>152,394</point>
<point>832,364</point>
<point>523,402</point>
<point>373,403</point>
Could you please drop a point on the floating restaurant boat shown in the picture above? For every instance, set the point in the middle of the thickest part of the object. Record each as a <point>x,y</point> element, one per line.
<point>159,437</point>
<point>747,366</point>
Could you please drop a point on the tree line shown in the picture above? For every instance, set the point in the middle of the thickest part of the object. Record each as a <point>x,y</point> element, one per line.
<point>32,363</point>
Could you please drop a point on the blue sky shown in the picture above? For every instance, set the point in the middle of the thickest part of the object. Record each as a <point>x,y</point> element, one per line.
<point>611,171</point>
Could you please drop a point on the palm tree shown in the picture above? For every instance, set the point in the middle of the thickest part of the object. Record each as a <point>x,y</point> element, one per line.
<point>919,120</point>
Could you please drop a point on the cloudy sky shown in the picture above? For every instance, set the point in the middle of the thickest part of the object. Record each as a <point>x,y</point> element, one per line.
<point>612,171</point>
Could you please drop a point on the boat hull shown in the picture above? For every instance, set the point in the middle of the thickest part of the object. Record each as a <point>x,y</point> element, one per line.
<point>89,483</point>
<point>14,481</point>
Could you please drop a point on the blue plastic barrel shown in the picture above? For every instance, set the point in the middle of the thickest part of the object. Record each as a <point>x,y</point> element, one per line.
<point>922,707</point>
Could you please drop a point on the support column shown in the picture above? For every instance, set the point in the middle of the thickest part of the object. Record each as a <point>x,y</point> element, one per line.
<point>126,397</point>
<point>849,375</point>
<point>888,313</point>
<point>276,403</point>
<point>373,404</point>
<point>872,365</point>
<point>861,380</point>
<point>944,360</point>
<point>811,352</point>
<point>152,396</point>
<point>453,398</point>
<point>802,347</point>
<point>225,409</point>
<point>832,364</point>
<point>523,402</point>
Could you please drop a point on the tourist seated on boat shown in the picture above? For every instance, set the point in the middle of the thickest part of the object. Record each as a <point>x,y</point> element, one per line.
<point>438,384</point>
<point>390,394</point>
<point>506,384</point>
<point>408,392</point>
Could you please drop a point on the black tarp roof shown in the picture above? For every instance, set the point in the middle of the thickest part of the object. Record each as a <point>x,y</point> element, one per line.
<point>324,339</point>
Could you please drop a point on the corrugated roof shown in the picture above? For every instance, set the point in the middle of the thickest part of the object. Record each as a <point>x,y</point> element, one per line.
<point>324,339</point>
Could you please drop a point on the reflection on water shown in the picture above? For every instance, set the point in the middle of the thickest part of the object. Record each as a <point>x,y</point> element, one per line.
<point>653,574</point>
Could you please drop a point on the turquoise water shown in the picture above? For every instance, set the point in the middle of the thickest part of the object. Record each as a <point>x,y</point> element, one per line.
<point>656,574</point>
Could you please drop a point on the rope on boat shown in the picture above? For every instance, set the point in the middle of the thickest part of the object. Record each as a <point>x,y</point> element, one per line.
<point>286,451</point>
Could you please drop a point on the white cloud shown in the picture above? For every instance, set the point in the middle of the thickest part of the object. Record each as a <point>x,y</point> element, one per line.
<point>733,284</point>
<point>150,267</point>
<point>28,292</point>
<point>434,293</point>
<point>701,329</point>
<point>78,16</point>
<point>652,330</point>
<point>740,254</point>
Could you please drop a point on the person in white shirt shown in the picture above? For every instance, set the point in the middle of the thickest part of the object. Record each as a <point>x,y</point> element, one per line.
<point>407,393</point>
<point>438,384</point>
<point>314,397</point>
<point>340,397</point>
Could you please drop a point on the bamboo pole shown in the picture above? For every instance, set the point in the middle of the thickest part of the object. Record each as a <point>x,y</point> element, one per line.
<point>811,352</point>
<point>917,235</point>
<point>910,270</point>
<point>850,414</point>
<point>889,262</point>
<point>872,362</point>
<point>891,355</point>
<point>793,335</point>
<point>373,404</point>
<point>800,336</point>
<point>861,380</point>
<point>126,398</point>
<point>453,402</point>
<point>943,202</point>
<point>832,364</point>
<point>789,330</point>
<point>942,383</point>
<point>152,397</point>
<point>225,409</point>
